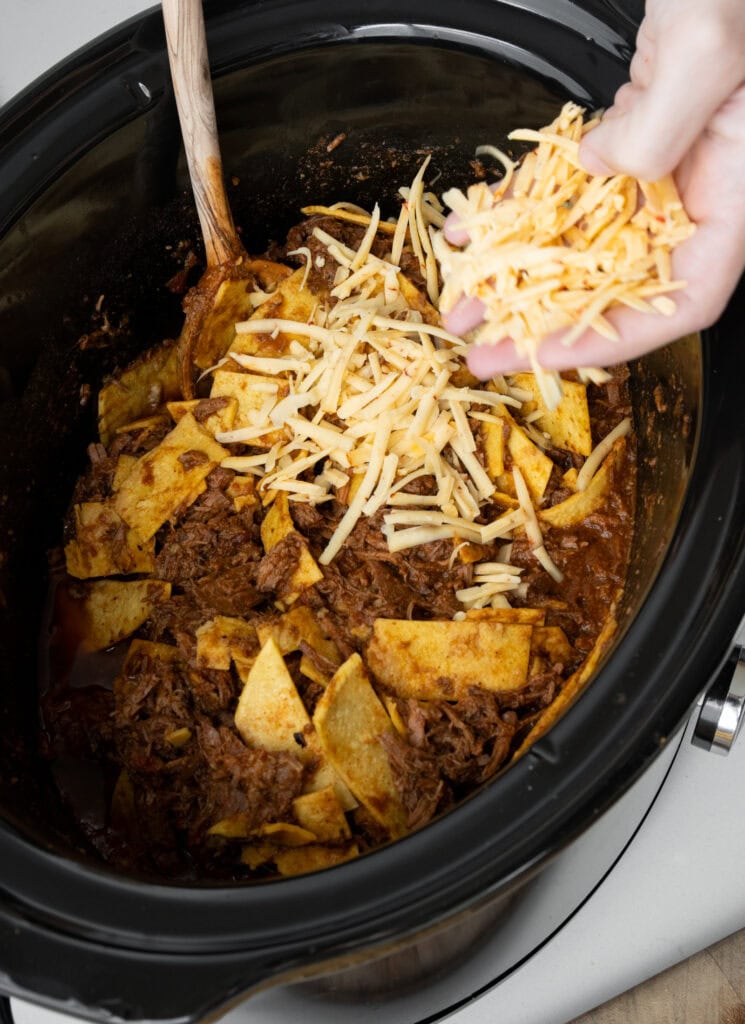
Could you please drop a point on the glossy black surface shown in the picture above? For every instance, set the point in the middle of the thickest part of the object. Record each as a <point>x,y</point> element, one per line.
<point>89,163</point>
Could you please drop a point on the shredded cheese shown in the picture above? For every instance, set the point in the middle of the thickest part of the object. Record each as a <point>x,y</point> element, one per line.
<point>364,396</point>
<point>597,455</point>
<point>553,247</point>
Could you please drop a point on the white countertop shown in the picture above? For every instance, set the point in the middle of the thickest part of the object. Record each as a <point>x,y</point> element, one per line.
<point>680,885</point>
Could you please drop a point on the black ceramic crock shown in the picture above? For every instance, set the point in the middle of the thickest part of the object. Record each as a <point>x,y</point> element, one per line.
<point>91,179</point>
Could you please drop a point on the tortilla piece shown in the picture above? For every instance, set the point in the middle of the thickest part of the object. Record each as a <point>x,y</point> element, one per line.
<point>242,489</point>
<point>144,425</point>
<point>253,393</point>
<point>271,715</point>
<point>313,858</point>
<point>179,737</point>
<point>161,652</point>
<point>534,464</point>
<point>223,638</point>
<point>350,721</point>
<point>289,302</point>
<point>309,670</point>
<point>572,688</point>
<point>322,814</point>
<point>531,616</point>
<point>105,546</point>
<point>552,642</point>
<point>577,507</point>
<point>276,525</point>
<point>296,627</point>
<point>568,425</point>
<point>395,715</point>
<point>222,418</point>
<point>492,435</point>
<point>113,609</point>
<point>124,466</point>
<point>142,387</point>
<point>218,303</point>
<point>166,479</point>
<point>240,826</point>
<point>254,856</point>
<point>441,660</point>
<point>416,299</point>
<point>468,552</point>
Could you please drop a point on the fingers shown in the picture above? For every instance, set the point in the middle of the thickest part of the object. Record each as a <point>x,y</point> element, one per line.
<point>464,316</point>
<point>640,333</point>
<point>663,113</point>
<point>453,232</point>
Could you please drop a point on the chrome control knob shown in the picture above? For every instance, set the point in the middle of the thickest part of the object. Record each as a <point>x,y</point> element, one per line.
<point>723,707</point>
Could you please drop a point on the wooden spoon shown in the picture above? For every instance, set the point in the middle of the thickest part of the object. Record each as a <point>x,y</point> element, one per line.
<point>220,299</point>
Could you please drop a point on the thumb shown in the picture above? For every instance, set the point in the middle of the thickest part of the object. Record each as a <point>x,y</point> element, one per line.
<point>647,135</point>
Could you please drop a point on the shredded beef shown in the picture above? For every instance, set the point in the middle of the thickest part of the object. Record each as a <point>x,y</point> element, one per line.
<point>417,777</point>
<point>274,572</point>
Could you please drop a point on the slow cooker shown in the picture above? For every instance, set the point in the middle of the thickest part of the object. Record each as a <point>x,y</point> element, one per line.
<point>94,194</point>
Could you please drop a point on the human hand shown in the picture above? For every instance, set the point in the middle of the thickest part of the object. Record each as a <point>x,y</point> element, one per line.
<point>682,111</point>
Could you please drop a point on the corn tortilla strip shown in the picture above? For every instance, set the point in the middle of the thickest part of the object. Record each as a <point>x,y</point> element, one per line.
<point>143,425</point>
<point>105,546</point>
<point>552,643</point>
<point>493,438</point>
<point>113,609</point>
<point>577,507</point>
<point>124,466</point>
<point>441,660</point>
<point>315,857</point>
<point>309,670</point>
<point>223,638</point>
<point>240,826</point>
<point>161,652</point>
<point>272,716</point>
<point>160,483</point>
<point>242,489</point>
<point>568,425</point>
<point>530,616</point>
<point>571,689</point>
<point>276,525</point>
<point>535,466</point>
<point>395,715</point>
<point>322,814</point>
<point>221,419</point>
<point>250,391</point>
<point>417,300</point>
<point>179,737</point>
<point>149,381</point>
<point>288,302</point>
<point>254,856</point>
<point>230,304</point>
<point>468,553</point>
<point>350,720</point>
<point>270,713</point>
<point>295,627</point>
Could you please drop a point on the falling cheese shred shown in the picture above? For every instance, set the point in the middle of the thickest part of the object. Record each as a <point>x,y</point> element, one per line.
<point>554,248</point>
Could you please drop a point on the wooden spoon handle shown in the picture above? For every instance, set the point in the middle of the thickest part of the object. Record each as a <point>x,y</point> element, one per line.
<point>192,85</point>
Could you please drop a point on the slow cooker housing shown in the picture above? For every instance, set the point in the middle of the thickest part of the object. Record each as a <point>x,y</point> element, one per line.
<point>94,190</point>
